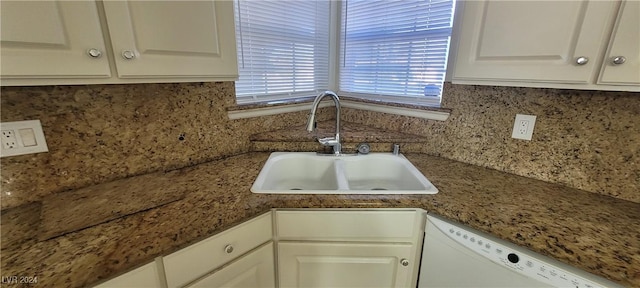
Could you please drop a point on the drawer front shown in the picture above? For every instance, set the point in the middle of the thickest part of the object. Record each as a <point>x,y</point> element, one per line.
<point>146,276</point>
<point>192,262</point>
<point>349,225</point>
<point>254,270</point>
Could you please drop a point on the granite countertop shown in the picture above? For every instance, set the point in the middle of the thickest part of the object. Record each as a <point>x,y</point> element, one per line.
<point>593,232</point>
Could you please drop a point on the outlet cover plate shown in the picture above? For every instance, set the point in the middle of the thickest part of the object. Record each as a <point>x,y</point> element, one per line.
<point>523,127</point>
<point>28,137</point>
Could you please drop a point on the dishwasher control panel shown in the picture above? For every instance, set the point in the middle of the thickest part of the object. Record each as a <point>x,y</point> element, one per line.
<point>519,259</point>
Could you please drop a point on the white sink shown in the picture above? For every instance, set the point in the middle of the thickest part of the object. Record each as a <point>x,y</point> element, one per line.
<point>309,173</point>
<point>297,172</point>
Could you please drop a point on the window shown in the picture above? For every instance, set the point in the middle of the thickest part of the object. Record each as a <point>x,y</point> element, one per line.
<point>393,51</point>
<point>283,49</point>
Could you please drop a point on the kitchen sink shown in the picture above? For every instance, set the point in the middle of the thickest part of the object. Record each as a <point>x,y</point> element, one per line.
<point>297,172</point>
<point>310,173</point>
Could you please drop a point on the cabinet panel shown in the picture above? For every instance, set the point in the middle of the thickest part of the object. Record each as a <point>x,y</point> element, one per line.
<point>50,39</point>
<point>145,276</point>
<point>625,42</point>
<point>172,38</point>
<point>524,45</point>
<point>256,270</point>
<point>344,265</point>
<point>510,41</point>
<point>379,226</point>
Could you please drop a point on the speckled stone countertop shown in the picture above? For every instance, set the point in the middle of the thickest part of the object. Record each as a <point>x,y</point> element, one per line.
<point>593,232</point>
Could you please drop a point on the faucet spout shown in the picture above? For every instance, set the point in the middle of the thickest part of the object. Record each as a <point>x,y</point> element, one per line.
<point>328,141</point>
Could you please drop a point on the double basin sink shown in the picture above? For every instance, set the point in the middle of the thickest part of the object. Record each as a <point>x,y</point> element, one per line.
<point>309,173</point>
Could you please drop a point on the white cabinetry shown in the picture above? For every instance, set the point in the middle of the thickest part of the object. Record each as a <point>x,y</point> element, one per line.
<point>147,276</point>
<point>206,257</point>
<point>556,44</point>
<point>622,61</point>
<point>172,39</point>
<point>345,264</point>
<point>63,42</point>
<point>50,39</point>
<point>255,270</point>
<point>348,248</point>
<point>316,248</point>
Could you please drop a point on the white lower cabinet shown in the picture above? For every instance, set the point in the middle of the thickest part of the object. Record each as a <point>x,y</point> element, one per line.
<point>315,248</point>
<point>147,276</point>
<point>256,269</point>
<point>184,267</point>
<point>349,247</point>
<point>345,265</point>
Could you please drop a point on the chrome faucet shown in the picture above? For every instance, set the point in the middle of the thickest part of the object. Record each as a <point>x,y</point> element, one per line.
<point>311,123</point>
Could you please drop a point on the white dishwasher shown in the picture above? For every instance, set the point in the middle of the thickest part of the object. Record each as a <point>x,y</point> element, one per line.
<point>457,256</point>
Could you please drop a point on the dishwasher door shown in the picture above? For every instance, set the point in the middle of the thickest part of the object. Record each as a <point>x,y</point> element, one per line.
<point>447,263</point>
<point>457,256</point>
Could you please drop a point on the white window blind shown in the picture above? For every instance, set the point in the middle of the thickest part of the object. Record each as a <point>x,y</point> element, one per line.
<point>395,51</point>
<point>283,49</point>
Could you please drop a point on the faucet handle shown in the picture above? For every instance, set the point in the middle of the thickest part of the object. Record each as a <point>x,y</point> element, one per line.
<point>364,148</point>
<point>328,141</point>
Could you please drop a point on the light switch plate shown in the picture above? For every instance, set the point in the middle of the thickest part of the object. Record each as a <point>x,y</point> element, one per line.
<point>22,137</point>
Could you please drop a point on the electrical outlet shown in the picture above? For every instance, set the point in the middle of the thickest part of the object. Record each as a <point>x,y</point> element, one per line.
<point>9,140</point>
<point>22,137</point>
<point>523,126</point>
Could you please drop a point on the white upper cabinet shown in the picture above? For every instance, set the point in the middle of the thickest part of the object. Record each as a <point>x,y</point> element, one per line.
<point>621,65</point>
<point>63,42</point>
<point>556,44</point>
<point>51,39</point>
<point>172,38</point>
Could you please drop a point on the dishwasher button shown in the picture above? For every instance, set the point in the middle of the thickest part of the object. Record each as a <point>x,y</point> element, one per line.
<point>513,258</point>
<point>451,230</point>
<point>488,246</point>
<point>529,264</point>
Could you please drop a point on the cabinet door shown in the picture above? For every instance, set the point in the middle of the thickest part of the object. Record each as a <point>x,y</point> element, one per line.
<point>51,39</point>
<point>255,270</point>
<point>625,42</point>
<point>532,41</point>
<point>344,265</point>
<point>172,38</point>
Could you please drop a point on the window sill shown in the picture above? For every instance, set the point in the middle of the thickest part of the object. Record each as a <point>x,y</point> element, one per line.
<point>257,110</point>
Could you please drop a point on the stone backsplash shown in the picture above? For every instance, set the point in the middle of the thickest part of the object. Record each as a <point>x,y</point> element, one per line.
<point>97,133</point>
<point>584,139</point>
